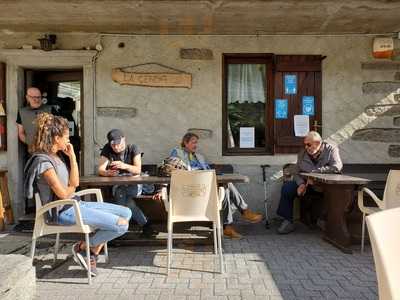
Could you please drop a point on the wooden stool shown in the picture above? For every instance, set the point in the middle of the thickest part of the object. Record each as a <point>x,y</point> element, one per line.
<point>5,204</point>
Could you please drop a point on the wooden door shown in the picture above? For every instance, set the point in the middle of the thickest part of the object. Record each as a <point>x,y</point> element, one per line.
<point>307,69</point>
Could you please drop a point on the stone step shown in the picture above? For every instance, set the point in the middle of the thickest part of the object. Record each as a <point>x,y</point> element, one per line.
<point>17,277</point>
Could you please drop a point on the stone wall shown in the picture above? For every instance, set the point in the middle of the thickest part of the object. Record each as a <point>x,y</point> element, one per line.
<point>155,118</point>
<point>387,109</point>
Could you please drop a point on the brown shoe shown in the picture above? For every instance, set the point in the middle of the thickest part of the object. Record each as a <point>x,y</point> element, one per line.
<point>252,217</point>
<point>231,233</point>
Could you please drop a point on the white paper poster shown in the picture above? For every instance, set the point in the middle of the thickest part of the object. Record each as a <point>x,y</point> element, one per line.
<point>301,125</point>
<point>246,137</point>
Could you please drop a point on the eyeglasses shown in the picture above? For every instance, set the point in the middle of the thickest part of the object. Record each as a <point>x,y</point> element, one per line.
<point>35,97</point>
<point>307,145</point>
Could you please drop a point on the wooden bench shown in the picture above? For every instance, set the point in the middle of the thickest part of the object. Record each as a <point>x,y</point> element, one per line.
<point>375,172</point>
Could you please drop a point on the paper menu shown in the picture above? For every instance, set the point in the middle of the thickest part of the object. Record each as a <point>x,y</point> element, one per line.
<point>301,125</point>
<point>246,137</point>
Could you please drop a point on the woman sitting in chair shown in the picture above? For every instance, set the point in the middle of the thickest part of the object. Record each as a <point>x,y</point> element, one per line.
<point>47,174</point>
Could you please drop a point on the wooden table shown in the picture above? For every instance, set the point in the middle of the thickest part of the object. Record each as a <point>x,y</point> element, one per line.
<point>338,193</point>
<point>101,181</point>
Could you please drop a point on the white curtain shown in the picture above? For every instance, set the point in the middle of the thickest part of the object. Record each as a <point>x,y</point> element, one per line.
<point>246,82</point>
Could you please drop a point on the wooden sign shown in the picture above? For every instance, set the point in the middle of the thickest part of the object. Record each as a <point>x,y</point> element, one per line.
<point>180,80</point>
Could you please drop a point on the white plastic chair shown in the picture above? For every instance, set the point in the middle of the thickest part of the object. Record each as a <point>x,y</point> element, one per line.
<point>391,199</point>
<point>193,197</point>
<point>42,228</point>
<point>383,228</point>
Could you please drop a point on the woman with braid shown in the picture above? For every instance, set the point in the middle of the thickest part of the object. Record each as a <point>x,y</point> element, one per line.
<point>48,175</point>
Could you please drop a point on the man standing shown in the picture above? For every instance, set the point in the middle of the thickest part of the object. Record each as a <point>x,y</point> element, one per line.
<point>118,158</point>
<point>317,157</point>
<point>27,115</point>
<point>27,128</point>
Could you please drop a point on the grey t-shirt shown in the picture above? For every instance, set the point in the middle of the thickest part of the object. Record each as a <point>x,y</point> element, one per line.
<point>27,116</point>
<point>43,187</point>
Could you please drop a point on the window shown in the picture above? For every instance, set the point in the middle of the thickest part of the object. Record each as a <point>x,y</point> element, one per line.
<point>251,83</point>
<point>247,104</point>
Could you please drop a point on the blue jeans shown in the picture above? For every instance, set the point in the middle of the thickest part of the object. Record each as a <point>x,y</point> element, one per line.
<point>102,216</point>
<point>123,195</point>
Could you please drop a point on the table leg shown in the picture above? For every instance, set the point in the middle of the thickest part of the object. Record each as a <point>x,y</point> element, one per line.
<point>338,199</point>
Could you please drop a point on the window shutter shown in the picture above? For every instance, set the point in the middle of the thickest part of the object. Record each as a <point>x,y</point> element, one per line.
<point>3,119</point>
<point>307,68</point>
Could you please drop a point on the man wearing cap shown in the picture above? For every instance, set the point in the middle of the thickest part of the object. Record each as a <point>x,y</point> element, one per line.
<point>118,158</point>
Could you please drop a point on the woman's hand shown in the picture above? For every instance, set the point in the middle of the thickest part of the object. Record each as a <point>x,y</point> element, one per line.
<point>69,151</point>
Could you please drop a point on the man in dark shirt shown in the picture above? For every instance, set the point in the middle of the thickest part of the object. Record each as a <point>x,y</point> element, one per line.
<point>118,159</point>
<point>26,127</point>
<point>27,115</point>
<point>317,157</point>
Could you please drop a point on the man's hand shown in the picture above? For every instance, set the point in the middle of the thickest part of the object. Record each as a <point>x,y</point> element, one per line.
<point>310,181</point>
<point>157,196</point>
<point>111,173</point>
<point>118,165</point>
<point>301,189</point>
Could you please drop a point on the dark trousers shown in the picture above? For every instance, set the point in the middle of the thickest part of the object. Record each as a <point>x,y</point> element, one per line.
<point>288,194</point>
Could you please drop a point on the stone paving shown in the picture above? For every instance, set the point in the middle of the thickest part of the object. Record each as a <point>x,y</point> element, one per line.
<point>263,265</point>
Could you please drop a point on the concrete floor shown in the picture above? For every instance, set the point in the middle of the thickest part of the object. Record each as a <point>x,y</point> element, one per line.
<point>263,265</point>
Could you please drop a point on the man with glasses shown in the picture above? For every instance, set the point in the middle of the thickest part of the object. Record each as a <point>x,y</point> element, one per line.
<point>317,157</point>
<point>118,159</point>
<point>26,127</point>
<point>27,115</point>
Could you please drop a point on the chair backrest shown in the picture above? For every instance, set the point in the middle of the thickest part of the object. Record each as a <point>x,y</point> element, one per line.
<point>391,196</point>
<point>194,194</point>
<point>383,228</point>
